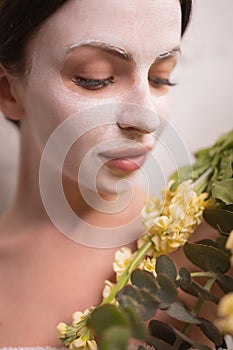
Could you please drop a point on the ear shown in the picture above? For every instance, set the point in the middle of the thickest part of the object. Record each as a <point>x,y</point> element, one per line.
<point>9,101</point>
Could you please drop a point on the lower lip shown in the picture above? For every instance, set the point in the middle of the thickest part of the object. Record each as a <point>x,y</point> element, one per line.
<point>126,164</point>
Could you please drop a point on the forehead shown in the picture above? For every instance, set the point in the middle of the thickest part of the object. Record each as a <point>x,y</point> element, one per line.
<point>142,27</point>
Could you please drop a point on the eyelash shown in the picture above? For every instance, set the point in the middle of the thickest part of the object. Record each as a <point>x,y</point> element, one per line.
<point>161,81</point>
<point>95,84</point>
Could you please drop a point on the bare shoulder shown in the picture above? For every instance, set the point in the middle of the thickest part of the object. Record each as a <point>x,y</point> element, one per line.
<point>4,242</point>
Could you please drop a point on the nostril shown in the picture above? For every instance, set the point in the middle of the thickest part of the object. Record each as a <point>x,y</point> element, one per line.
<point>130,127</point>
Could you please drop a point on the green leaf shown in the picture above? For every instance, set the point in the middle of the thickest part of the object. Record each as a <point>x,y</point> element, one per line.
<point>223,143</point>
<point>129,291</point>
<point>225,283</point>
<point>226,170</point>
<point>207,258</point>
<point>228,207</point>
<point>220,219</point>
<point>212,178</point>
<point>208,242</point>
<point>211,331</point>
<point>203,154</point>
<point>223,190</point>
<point>220,244</point>
<point>185,278</point>
<point>162,331</point>
<point>144,280</point>
<point>158,343</point>
<point>178,311</point>
<point>192,342</point>
<point>126,301</point>
<point>165,265</point>
<point>145,302</point>
<point>221,241</point>
<point>182,174</point>
<point>150,303</point>
<point>106,316</point>
<point>197,290</point>
<point>115,338</point>
<point>138,330</point>
<point>200,167</point>
<point>167,291</point>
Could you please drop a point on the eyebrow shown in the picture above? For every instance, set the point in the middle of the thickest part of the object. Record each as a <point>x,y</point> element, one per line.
<point>120,52</point>
<point>167,54</point>
<point>113,50</point>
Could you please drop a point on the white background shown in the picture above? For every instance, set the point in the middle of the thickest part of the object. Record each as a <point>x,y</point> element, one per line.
<point>202,100</point>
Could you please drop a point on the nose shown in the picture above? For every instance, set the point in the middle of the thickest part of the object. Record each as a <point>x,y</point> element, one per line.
<point>140,115</point>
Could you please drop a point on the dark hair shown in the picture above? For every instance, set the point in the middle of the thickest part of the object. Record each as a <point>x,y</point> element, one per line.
<point>18,21</point>
<point>20,18</point>
<point>186,9</point>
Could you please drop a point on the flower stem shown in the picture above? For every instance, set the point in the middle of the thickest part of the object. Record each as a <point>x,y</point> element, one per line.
<point>209,284</point>
<point>203,274</point>
<point>201,185</point>
<point>133,264</point>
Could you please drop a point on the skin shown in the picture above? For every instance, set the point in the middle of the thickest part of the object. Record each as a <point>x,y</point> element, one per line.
<point>44,288</point>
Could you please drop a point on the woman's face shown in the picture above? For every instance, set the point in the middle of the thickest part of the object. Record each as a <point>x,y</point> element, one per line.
<point>113,57</point>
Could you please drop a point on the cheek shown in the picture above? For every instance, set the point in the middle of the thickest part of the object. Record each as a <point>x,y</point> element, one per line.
<point>46,106</point>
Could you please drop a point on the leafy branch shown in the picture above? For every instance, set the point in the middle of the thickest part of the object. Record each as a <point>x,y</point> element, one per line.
<point>150,292</point>
<point>140,291</point>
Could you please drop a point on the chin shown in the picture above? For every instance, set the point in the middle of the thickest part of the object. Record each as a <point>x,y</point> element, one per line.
<point>110,193</point>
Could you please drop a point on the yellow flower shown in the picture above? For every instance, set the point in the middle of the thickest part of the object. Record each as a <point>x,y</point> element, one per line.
<point>181,213</point>
<point>148,265</point>
<point>229,245</point>
<point>83,344</point>
<point>151,211</point>
<point>122,258</point>
<point>225,313</point>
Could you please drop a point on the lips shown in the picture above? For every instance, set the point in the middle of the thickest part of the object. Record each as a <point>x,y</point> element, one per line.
<point>126,164</point>
<point>125,159</point>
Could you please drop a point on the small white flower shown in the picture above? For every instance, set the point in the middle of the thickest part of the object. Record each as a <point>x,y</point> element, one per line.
<point>83,344</point>
<point>108,288</point>
<point>77,317</point>
<point>62,329</point>
<point>122,258</point>
<point>92,345</point>
<point>78,344</point>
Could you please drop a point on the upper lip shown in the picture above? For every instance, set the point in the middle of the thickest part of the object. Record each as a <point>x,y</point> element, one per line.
<point>126,152</point>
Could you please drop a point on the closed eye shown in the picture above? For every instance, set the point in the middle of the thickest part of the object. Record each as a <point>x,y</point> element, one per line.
<point>159,82</point>
<point>93,84</point>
